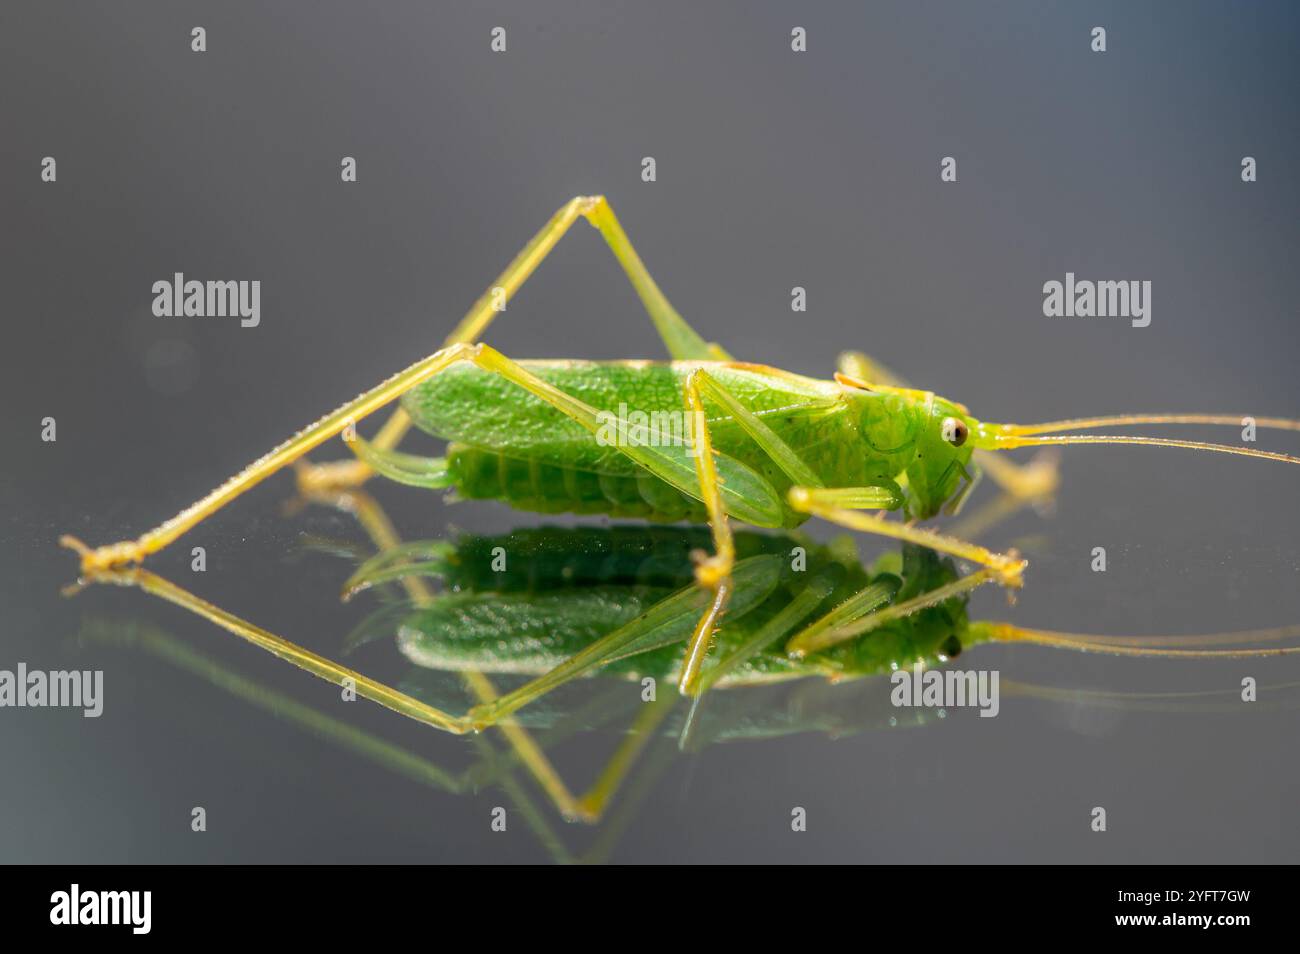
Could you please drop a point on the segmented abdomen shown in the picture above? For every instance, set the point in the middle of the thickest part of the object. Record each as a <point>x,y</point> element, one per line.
<point>530,484</point>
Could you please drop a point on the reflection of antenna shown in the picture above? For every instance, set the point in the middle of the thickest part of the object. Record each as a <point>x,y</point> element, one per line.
<point>1153,646</point>
<point>1188,701</point>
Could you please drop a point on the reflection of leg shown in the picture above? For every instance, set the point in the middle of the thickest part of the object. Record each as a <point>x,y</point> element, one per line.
<point>863,612</point>
<point>348,736</point>
<point>653,765</point>
<point>787,618</point>
<point>804,604</point>
<point>665,623</point>
<point>612,776</point>
<point>326,669</point>
<point>395,758</point>
<point>384,536</point>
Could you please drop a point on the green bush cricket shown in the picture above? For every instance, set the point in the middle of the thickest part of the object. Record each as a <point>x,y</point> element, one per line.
<point>761,445</point>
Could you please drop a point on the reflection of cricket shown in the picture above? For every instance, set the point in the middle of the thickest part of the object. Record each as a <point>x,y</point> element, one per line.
<point>766,447</point>
<point>622,775</point>
<point>621,600</point>
<point>567,589</point>
<point>620,787</point>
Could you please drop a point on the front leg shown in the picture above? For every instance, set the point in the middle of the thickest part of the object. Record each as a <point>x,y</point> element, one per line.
<point>829,504</point>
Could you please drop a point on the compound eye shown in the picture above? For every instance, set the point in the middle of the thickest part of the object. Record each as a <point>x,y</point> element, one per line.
<point>954,431</point>
<point>951,648</point>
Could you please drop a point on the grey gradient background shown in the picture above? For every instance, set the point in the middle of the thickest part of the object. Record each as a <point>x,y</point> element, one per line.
<point>774,170</point>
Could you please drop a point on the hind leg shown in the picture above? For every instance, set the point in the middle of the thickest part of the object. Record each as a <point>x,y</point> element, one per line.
<point>745,493</point>
<point>681,340</point>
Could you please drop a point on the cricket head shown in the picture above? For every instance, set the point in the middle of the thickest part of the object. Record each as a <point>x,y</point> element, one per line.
<point>940,474</point>
<point>922,438</point>
<point>944,434</point>
<point>1038,477</point>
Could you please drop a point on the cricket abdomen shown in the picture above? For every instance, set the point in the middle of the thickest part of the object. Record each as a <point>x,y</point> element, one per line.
<point>508,444</point>
<point>528,483</point>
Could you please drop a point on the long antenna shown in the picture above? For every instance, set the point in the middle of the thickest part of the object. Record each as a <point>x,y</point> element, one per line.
<point>1119,420</point>
<point>1007,441</point>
